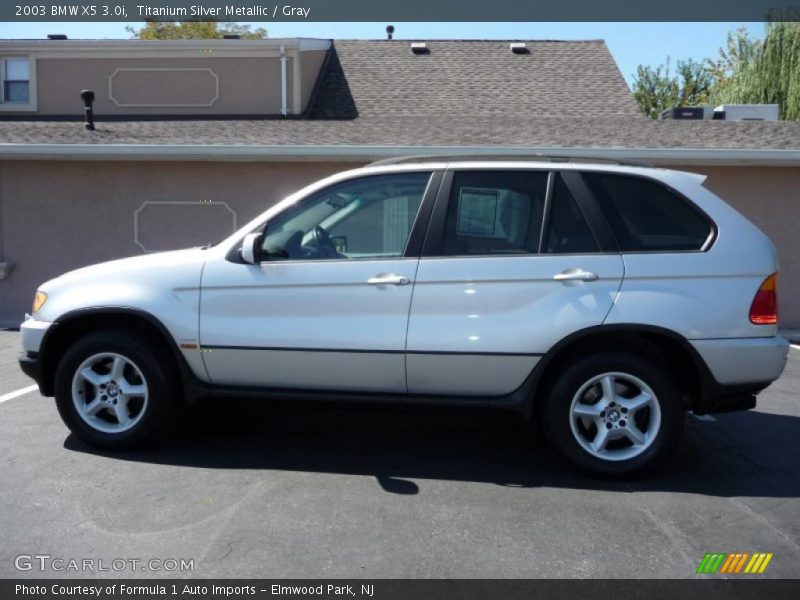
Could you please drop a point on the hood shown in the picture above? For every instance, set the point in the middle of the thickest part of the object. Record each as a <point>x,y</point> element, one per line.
<point>135,264</point>
<point>136,282</point>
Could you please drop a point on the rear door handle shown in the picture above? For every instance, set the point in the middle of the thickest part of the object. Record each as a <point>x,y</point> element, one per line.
<point>388,279</point>
<point>576,275</point>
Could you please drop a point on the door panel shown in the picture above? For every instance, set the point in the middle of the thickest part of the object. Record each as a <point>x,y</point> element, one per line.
<point>513,266</point>
<point>327,308</point>
<point>505,312</point>
<point>313,325</point>
<point>477,375</point>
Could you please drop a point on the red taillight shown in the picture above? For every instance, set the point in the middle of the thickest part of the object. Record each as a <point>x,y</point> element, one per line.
<point>764,309</point>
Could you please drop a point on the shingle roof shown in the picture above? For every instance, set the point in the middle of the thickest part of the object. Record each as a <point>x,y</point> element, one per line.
<point>449,130</point>
<point>475,78</point>
<point>465,93</point>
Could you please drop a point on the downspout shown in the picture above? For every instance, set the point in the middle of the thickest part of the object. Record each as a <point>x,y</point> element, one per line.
<point>284,109</point>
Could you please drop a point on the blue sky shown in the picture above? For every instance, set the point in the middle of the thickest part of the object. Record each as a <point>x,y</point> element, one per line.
<point>630,43</point>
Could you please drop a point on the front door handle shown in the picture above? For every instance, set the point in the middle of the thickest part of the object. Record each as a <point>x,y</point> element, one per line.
<point>576,275</point>
<point>388,279</point>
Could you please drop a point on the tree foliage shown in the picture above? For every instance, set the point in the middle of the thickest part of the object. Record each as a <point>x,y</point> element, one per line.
<point>195,30</point>
<point>770,74</point>
<point>746,71</point>
<point>656,89</point>
<point>739,52</point>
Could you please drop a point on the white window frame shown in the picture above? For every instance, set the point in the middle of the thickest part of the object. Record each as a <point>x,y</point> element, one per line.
<point>29,106</point>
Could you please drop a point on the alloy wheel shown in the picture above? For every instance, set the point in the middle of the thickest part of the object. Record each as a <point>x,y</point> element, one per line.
<point>109,392</point>
<point>615,416</point>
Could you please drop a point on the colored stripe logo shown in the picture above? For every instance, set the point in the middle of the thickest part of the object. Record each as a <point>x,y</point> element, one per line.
<point>734,563</point>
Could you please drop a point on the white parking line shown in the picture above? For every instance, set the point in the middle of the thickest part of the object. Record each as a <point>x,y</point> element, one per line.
<point>18,393</point>
<point>795,346</point>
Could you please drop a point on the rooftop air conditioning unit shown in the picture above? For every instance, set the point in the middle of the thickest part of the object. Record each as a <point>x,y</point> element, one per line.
<point>748,112</point>
<point>687,113</point>
<point>690,113</point>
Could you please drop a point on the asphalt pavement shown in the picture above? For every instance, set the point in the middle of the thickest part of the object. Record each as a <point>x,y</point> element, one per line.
<point>246,490</point>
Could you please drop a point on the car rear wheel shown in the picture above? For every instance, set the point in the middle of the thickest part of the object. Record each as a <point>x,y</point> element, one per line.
<point>114,389</point>
<point>614,414</point>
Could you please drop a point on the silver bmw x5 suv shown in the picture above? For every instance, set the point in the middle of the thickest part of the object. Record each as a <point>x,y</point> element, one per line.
<point>602,302</point>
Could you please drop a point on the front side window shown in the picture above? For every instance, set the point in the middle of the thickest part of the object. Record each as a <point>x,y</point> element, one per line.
<point>494,212</point>
<point>369,217</point>
<point>646,216</point>
<point>16,80</point>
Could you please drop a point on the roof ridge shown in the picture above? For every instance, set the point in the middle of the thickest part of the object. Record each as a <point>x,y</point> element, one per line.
<point>473,40</point>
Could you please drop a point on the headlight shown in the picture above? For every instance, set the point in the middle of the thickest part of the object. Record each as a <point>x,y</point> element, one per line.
<point>38,300</point>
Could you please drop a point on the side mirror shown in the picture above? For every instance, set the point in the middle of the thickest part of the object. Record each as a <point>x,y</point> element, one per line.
<point>251,248</point>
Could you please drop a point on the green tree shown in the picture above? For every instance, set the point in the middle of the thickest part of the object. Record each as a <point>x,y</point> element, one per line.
<point>656,89</point>
<point>740,51</point>
<point>770,74</point>
<point>194,30</point>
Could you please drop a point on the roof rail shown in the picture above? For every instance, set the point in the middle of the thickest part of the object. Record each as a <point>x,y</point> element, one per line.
<point>551,158</point>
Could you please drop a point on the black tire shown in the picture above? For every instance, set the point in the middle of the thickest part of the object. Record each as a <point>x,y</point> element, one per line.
<point>556,414</point>
<point>156,367</point>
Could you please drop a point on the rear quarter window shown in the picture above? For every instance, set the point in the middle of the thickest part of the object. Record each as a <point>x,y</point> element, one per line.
<point>647,216</point>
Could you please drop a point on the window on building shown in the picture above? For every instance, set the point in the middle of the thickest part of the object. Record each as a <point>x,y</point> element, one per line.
<point>16,80</point>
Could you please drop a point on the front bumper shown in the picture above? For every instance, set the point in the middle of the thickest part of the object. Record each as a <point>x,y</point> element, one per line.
<point>32,333</point>
<point>30,365</point>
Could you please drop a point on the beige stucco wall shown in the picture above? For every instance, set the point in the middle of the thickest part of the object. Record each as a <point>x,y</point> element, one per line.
<point>56,216</point>
<point>245,85</point>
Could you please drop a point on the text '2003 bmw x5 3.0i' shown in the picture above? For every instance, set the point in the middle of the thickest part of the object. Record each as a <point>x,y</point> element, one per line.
<point>602,301</point>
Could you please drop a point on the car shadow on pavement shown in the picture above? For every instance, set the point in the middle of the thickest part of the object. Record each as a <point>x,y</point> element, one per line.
<point>738,454</point>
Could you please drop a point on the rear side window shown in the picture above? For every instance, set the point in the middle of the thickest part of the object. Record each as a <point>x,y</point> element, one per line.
<point>646,216</point>
<point>494,212</point>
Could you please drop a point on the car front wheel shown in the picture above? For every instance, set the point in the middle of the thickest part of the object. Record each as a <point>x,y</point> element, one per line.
<point>614,414</point>
<point>114,389</point>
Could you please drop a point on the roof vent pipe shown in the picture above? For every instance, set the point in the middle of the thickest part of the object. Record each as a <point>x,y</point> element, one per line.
<point>284,109</point>
<point>389,31</point>
<point>88,97</point>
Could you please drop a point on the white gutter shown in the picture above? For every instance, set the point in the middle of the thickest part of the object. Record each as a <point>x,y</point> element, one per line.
<point>10,46</point>
<point>360,153</point>
<point>284,109</point>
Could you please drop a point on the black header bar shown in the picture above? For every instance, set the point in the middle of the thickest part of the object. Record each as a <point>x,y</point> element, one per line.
<point>397,10</point>
<point>710,588</point>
